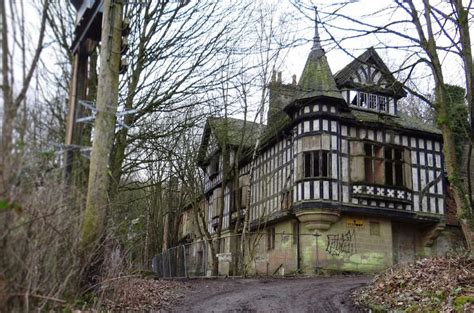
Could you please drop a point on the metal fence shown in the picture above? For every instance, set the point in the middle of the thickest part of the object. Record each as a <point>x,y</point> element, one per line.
<point>182,261</point>
<point>265,254</point>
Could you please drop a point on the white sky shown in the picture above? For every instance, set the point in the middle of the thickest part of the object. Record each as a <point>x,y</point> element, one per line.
<point>337,58</point>
<point>302,28</point>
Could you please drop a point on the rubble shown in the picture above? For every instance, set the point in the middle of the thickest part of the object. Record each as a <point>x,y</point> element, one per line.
<point>441,284</point>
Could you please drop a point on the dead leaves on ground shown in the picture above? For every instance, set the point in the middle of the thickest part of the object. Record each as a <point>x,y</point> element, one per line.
<point>142,294</point>
<point>443,284</point>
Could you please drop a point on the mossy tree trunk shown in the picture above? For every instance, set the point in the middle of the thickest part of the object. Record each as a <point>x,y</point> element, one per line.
<point>427,41</point>
<point>94,222</point>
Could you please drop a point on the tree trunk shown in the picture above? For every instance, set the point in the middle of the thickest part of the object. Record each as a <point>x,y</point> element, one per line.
<point>95,221</point>
<point>8,112</point>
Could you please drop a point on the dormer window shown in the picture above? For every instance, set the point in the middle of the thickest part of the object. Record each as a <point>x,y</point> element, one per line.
<point>372,102</point>
<point>369,101</point>
<point>383,103</point>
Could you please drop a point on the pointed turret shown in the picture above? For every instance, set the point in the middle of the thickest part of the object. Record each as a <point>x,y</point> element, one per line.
<point>316,79</point>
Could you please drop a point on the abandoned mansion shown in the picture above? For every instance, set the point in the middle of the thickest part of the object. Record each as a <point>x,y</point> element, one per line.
<point>341,178</point>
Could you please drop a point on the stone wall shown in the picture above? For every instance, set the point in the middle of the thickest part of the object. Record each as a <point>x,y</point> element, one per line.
<point>353,243</point>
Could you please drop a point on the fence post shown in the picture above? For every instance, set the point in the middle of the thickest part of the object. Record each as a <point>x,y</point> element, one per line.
<point>184,257</point>
<point>162,265</point>
<point>169,263</point>
<point>207,256</point>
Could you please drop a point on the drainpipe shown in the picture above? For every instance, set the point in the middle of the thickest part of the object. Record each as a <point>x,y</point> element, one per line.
<point>298,258</point>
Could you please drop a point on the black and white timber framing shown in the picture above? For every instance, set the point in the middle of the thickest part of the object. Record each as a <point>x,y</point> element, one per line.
<point>348,150</point>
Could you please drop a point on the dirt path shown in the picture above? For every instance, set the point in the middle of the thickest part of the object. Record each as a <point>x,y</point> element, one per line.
<point>319,294</point>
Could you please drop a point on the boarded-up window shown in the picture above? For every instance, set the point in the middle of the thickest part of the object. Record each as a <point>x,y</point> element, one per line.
<point>357,161</point>
<point>295,232</point>
<point>243,190</point>
<point>374,228</point>
<point>407,169</point>
<point>271,238</point>
<point>222,245</point>
<point>217,201</point>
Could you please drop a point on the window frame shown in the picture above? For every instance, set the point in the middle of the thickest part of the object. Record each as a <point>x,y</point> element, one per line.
<point>375,155</point>
<point>369,101</point>
<point>319,157</point>
<point>214,166</point>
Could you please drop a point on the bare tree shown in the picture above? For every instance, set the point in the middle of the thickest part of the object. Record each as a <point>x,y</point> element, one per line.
<point>176,51</point>
<point>13,100</point>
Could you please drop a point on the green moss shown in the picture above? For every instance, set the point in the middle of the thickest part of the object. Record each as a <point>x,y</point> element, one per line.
<point>377,308</point>
<point>460,301</point>
<point>412,308</point>
<point>4,205</point>
<point>317,79</point>
<point>457,117</point>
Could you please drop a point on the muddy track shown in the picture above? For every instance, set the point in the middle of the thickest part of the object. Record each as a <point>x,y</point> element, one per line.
<point>317,294</point>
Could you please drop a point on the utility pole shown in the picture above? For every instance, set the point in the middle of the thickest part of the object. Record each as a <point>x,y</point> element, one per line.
<point>104,126</point>
<point>87,34</point>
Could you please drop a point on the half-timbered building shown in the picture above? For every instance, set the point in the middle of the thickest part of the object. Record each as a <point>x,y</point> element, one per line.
<point>342,179</point>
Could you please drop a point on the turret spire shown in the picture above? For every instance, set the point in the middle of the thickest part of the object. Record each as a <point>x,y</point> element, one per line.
<point>316,39</point>
<point>316,79</point>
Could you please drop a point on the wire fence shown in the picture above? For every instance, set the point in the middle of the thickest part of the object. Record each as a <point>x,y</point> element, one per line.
<point>266,254</point>
<point>182,261</point>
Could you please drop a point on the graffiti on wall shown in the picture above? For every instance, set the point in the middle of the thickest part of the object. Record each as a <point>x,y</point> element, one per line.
<point>341,243</point>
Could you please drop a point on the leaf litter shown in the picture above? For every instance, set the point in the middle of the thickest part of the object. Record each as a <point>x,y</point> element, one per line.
<point>440,284</point>
<point>142,294</point>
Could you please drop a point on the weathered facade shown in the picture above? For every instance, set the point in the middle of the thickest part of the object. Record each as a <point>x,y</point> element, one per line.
<point>342,179</point>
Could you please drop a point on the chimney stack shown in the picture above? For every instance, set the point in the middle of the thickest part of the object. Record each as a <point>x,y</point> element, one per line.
<point>274,76</point>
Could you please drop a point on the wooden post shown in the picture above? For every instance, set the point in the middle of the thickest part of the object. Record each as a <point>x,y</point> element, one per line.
<point>184,258</point>
<point>77,91</point>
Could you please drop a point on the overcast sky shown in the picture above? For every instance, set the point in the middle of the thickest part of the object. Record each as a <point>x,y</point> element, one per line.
<point>360,10</point>
<point>301,27</point>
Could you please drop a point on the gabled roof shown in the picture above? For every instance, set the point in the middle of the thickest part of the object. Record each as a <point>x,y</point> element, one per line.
<point>229,131</point>
<point>345,77</point>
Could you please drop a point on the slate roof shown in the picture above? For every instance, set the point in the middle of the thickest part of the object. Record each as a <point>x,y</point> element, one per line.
<point>402,121</point>
<point>239,131</point>
<point>236,127</point>
<point>230,131</point>
<point>317,79</point>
